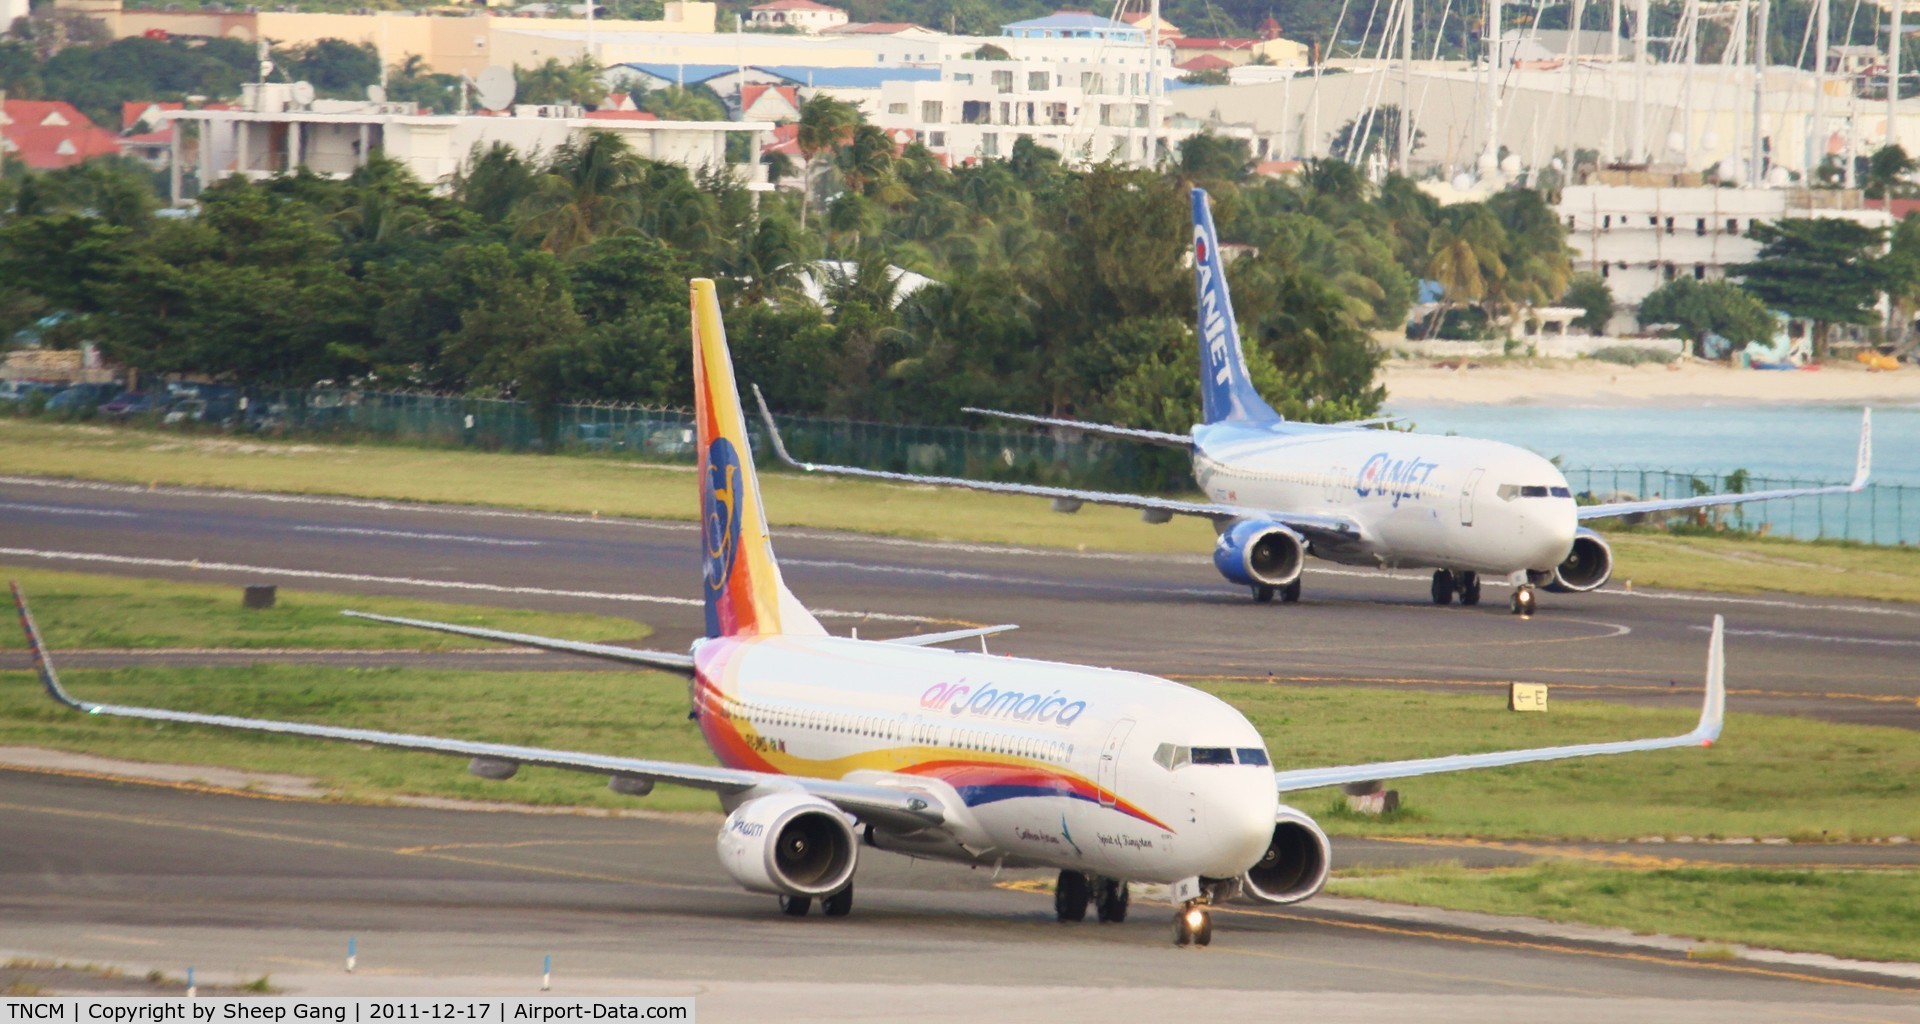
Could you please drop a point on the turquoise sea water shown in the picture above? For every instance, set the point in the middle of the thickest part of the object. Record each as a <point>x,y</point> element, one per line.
<point>1603,448</point>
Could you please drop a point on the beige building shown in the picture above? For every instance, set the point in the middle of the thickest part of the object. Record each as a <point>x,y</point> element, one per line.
<point>450,44</point>
<point>273,132</point>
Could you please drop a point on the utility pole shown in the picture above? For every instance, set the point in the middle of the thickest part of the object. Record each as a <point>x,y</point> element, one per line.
<point>1573,66</point>
<point>1406,86</point>
<point>1490,161</point>
<point>1893,71</point>
<point>1817,142</point>
<point>1757,161</point>
<point>1639,127</point>
<point>1153,84</point>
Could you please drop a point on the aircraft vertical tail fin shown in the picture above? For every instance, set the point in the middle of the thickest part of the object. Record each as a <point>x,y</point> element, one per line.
<point>742,586</point>
<point>1226,392</point>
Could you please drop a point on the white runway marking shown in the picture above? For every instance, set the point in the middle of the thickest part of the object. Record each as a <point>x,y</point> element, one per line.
<point>410,535</point>
<point>1777,634</point>
<point>1862,609</point>
<point>919,572</point>
<point>408,581</point>
<point>63,510</point>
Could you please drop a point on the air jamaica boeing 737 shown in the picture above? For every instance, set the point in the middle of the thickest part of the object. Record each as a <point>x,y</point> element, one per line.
<point>827,745</point>
<point>1277,491</point>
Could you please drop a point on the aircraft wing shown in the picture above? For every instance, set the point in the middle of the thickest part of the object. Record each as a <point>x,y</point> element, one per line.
<point>1712,712</point>
<point>1070,499</point>
<point>653,659</point>
<point>1861,468</point>
<point>896,806</point>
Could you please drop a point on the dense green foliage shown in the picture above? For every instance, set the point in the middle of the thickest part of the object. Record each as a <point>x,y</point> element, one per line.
<point>1824,270</point>
<point>1700,308</point>
<point>1055,290</point>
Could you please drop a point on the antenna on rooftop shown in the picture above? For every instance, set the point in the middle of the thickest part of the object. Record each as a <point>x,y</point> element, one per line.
<point>303,94</point>
<point>376,94</point>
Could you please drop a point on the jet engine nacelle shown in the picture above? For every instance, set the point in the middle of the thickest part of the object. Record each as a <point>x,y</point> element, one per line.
<point>788,844</point>
<point>1296,863</point>
<point>1254,551</point>
<point>1587,566</point>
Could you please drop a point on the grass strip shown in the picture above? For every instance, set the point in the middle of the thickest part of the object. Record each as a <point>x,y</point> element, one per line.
<point>616,486</point>
<point>79,610</point>
<point>1770,776</point>
<point>1869,915</point>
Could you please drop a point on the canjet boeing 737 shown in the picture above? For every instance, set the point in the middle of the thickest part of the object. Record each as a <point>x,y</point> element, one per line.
<point>828,744</point>
<point>1278,491</point>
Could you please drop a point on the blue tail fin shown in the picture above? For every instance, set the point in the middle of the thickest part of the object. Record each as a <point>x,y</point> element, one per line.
<point>1226,393</point>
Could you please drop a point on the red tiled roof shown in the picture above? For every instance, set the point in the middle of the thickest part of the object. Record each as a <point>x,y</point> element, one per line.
<point>750,94</point>
<point>160,138</point>
<point>1205,62</point>
<point>1203,43</point>
<point>69,139</point>
<point>872,28</point>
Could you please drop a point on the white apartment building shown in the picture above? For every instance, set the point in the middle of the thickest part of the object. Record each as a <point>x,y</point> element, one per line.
<point>1640,238</point>
<point>1089,111</point>
<point>803,15</point>
<point>274,133</point>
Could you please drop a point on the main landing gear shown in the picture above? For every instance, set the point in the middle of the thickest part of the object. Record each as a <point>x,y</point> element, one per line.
<point>1075,890</point>
<point>1193,925</point>
<point>1446,584</point>
<point>1289,594</point>
<point>838,904</point>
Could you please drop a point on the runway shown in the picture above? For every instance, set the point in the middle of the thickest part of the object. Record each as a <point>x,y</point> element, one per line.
<point>1842,660</point>
<point>462,902</point>
<point>453,902</point>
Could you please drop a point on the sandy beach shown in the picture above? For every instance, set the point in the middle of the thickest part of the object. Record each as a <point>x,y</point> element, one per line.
<point>1589,382</point>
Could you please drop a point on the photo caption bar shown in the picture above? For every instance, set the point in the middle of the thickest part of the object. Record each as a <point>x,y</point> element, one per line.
<point>281,1009</point>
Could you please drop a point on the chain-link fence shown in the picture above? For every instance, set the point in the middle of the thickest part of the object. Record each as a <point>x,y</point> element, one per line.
<point>1880,514</point>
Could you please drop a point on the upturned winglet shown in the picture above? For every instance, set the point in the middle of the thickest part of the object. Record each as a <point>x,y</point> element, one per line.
<point>38,650</point>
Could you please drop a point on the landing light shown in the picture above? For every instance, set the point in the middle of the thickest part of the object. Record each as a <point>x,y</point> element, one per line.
<point>1196,917</point>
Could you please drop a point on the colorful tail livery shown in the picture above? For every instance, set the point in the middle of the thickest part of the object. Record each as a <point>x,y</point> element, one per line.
<point>1226,393</point>
<point>742,586</point>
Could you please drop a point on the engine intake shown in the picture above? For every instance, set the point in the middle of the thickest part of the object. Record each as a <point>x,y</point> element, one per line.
<point>788,844</point>
<point>1587,566</point>
<point>1296,863</point>
<point>1256,551</point>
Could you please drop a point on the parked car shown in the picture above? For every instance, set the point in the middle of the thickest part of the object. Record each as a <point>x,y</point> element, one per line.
<point>82,397</point>
<point>21,390</point>
<point>132,403</point>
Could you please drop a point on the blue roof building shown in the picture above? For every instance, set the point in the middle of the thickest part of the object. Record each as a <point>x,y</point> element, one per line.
<point>1074,25</point>
<point>848,78</point>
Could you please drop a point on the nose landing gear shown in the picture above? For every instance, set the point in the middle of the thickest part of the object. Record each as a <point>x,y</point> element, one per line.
<point>1193,925</point>
<point>1521,603</point>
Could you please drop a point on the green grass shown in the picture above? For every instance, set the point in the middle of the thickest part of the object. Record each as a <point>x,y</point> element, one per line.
<point>607,486</point>
<point>78,610</point>
<point>1871,915</point>
<point>1769,776</point>
<point>562,483</point>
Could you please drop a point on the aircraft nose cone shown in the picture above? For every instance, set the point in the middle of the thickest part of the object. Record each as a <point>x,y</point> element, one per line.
<point>1240,823</point>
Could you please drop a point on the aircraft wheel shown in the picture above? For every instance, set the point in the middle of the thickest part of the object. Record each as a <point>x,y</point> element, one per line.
<point>1442,587</point>
<point>1110,900</point>
<point>1469,589</point>
<point>840,904</point>
<point>1070,895</point>
<point>1291,592</point>
<point>1263,593</point>
<point>795,906</point>
<point>1522,602</point>
<point>1192,926</point>
<point>1203,936</point>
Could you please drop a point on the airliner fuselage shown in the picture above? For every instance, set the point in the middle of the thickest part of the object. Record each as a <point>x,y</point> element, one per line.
<point>1420,500</point>
<point>1040,763</point>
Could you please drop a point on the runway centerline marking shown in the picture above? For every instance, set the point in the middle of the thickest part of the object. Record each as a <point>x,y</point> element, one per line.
<point>67,510</point>
<point>412,581</point>
<point>358,531</point>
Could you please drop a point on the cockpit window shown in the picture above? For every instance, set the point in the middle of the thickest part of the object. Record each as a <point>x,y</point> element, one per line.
<point>1508,492</point>
<point>1213,755</point>
<point>1251,755</point>
<point>1173,756</point>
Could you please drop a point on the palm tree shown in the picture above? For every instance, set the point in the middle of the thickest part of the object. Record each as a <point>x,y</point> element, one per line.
<point>866,159</point>
<point>593,187</point>
<point>1464,257</point>
<point>825,124</point>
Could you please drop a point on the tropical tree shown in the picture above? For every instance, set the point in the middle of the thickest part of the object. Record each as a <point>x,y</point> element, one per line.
<point>825,124</point>
<point>553,82</point>
<point>1822,269</point>
<point>1590,294</point>
<point>1699,308</point>
<point>681,103</point>
<point>592,187</point>
<point>1464,254</point>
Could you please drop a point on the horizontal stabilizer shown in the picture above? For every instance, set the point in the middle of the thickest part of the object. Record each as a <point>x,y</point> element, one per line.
<point>929,639</point>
